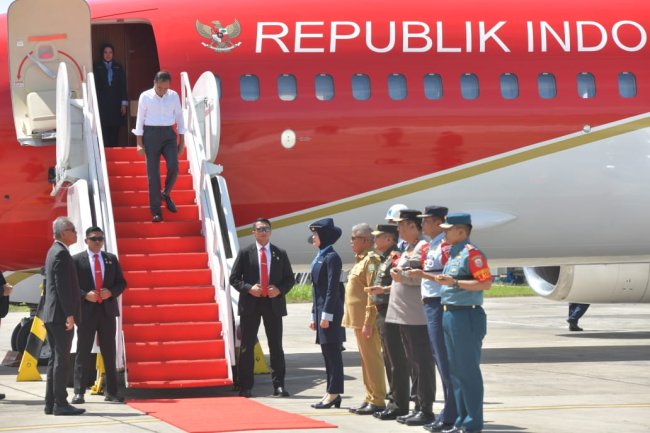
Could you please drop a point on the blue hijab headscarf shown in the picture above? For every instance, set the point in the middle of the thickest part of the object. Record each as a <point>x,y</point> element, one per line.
<point>328,233</point>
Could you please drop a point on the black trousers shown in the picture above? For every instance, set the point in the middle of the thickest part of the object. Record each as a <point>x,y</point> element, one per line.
<point>418,351</point>
<point>110,134</point>
<point>333,367</point>
<point>60,342</point>
<point>106,328</point>
<point>250,325</point>
<point>160,140</point>
<point>400,367</point>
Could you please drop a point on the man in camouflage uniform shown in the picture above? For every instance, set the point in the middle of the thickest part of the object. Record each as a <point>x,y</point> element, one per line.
<point>386,245</point>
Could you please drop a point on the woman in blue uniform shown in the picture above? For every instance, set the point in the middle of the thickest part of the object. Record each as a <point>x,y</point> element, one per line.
<point>327,309</point>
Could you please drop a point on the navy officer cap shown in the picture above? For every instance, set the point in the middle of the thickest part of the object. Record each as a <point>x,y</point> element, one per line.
<point>436,211</point>
<point>385,228</point>
<point>457,219</point>
<point>407,215</point>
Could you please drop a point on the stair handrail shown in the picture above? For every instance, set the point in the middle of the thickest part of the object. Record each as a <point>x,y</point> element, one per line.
<point>202,172</point>
<point>99,186</point>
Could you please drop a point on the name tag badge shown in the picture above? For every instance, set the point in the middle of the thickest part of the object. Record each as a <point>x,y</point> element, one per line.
<point>453,270</point>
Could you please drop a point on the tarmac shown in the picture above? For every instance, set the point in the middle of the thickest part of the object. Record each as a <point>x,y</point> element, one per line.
<point>538,376</point>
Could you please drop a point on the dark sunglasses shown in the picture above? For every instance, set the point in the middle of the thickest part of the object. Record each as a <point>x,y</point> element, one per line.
<point>96,238</point>
<point>262,229</point>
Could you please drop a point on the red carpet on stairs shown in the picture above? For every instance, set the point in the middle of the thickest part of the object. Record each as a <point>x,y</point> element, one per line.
<point>170,318</point>
<point>223,414</point>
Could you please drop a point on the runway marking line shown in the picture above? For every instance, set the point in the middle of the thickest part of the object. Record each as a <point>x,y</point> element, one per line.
<point>78,424</point>
<point>571,406</point>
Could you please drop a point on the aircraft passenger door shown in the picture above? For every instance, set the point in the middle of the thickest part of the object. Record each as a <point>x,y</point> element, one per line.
<point>41,34</point>
<point>206,97</point>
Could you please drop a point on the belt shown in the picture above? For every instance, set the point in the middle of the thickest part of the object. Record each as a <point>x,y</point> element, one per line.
<point>158,126</point>
<point>459,307</point>
<point>431,300</point>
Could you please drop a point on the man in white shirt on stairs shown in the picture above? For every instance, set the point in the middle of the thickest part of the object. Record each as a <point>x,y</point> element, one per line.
<point>159,108</point>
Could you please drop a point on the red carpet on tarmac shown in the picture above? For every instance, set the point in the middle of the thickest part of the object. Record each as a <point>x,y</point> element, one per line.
<point>223,414</point>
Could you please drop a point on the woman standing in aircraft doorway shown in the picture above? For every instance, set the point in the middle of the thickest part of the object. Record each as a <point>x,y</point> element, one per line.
<point>327,309</point>
<point>110,82</point>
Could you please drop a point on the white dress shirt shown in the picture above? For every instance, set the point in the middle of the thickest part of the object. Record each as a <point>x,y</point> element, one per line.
<point>91,257</point>
<point>154,110</point>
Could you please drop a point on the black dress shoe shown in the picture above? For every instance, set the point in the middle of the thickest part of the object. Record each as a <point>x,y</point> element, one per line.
<point>156,218</point>
<point>2,396</point>
<point>389,414</point>
<point>171,206</point>
<point>573,325</point>
<point>280,392</point>
<point>322,405</point>
<point>245,393</point>
<point>48,410</point>
<point>438,426</point>
<point>454,429</point>
<point>402,419</point>
<point>78,399</point>
<point>113,398</point>
<point>67,410</point>
<point>361,406</point>
<point>420,418</point>
<point>370,409</point>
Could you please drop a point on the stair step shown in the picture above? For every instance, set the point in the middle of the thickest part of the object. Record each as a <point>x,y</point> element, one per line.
<point>179,384</point>
<point>141,198</point>
<point>140,245</point>
<point>157,230</point>
<point>170,313</point>
<point>139,167</point>
<point>167,295</point>
<point>169,278</point>
<point>128,153</point>
<point>134,262</point>
<point>136,183</point>
<point>143,332</point>
<point>204,369</point>
<point>143,213</point>
<point>170,350</point>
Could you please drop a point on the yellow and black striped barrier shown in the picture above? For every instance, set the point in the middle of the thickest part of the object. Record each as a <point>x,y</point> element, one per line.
<point>28,370</point>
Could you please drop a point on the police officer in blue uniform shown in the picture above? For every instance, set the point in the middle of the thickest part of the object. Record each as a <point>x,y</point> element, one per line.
<point>464,278</point>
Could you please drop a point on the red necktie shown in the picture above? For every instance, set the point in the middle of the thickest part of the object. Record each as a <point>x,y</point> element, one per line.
<point>99,280</point>
<point>264,272</point>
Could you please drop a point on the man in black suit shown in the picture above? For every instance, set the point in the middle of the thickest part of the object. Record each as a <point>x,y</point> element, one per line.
<point>263,276</point>
<point>110,83</point>
<point>101,281</point>
<point>5,291</point>
<point>61,310</point>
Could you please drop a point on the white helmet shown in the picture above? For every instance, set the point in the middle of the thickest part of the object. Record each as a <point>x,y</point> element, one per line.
<point>394,210</point>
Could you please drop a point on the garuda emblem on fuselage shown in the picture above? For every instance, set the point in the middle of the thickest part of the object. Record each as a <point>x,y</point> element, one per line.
<point>220,37</point>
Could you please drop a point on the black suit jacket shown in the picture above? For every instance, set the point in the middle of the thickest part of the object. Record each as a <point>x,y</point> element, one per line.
<point>113,281</point>
<point>109,98</point>
<point>61,286</point>
<point>246,273</point>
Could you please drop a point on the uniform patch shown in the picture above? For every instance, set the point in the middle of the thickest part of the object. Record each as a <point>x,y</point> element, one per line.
<point>478,262</point>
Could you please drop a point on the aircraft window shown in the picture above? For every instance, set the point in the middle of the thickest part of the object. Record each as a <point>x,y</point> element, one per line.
<point>509,86</point>
<point>287,88</point>
<point>627,85</point>
<point>361,87</point>
<point>249,87</point>
<point>218,79</point>
<point>469,86</point>
<point>586,85</point>
<point>433,86</point>
<point>546,86</point>
<point>397,86</point>
<point>324,87</point>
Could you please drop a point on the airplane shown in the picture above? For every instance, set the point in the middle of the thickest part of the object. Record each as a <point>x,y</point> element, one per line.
<point>533,117</point>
